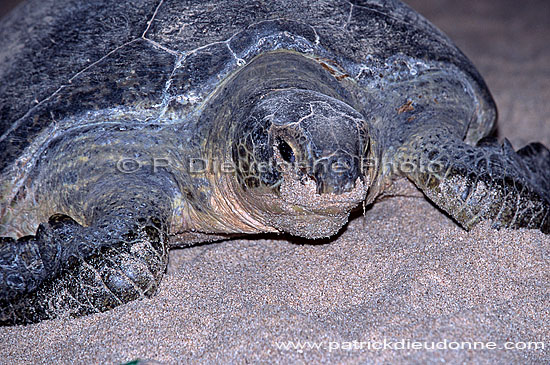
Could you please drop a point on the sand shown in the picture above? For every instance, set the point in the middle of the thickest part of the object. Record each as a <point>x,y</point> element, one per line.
<point>402,272</point>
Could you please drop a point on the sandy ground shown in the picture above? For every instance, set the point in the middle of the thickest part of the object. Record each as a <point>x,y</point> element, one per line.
<point>404,271</point>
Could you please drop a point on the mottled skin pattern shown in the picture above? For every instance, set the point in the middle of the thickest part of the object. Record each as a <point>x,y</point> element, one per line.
<point>130,127</point>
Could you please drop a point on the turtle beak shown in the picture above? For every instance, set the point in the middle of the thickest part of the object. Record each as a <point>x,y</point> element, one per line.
<point>317,144</point>
<point>329,156</point>
<point>337,173</point>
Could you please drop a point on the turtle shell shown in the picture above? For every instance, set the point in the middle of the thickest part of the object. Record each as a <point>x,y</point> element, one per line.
<point>66,65</point>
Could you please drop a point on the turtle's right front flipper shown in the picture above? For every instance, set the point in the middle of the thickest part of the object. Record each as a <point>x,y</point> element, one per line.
<point>70,270</point>
<point>488,182</point>
<point>25,263</point>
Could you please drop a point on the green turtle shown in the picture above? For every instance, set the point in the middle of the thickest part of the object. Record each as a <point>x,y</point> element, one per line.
<point>131,127</point>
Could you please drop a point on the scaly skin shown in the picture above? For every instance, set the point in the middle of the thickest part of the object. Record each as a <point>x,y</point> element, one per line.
<point>315,106</point>
<point>108,252</point>
<point>70,270</point>
<point>487,183</point>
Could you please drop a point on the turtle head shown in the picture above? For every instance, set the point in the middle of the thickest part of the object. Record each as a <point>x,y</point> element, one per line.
<point>299,156</point>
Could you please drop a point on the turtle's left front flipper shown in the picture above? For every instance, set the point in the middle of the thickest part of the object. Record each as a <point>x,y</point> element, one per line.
<point>488,182</point>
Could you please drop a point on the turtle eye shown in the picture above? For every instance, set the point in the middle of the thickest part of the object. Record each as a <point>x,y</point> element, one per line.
<point>286,151</point>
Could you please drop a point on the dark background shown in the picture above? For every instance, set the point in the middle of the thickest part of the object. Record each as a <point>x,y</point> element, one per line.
<point>7,5</point>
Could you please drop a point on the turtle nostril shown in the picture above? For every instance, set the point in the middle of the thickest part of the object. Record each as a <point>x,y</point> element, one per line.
<point>286,151</point>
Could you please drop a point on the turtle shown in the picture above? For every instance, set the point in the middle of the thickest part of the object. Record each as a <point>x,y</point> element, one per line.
<point>128,128</point>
